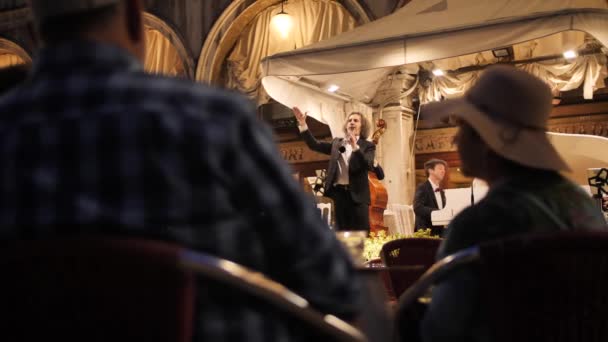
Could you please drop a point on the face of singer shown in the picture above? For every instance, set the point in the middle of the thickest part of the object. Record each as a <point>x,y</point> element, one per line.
<point>437,173</point>
<point>353,124</point>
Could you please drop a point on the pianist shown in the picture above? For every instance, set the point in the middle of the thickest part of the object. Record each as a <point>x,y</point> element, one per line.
<point>430,196</point>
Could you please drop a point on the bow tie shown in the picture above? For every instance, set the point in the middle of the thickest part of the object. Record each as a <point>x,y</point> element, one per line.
<point>438,189</point>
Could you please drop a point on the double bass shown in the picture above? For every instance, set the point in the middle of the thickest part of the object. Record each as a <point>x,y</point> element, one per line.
<point>377,191</point>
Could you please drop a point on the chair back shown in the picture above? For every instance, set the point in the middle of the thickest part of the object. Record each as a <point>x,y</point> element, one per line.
<point>325,209</point>
<point>128,289</point>
<point>95,290</point>
<point>409,258</point>
<point>546,287</point>
<point>533,287</point>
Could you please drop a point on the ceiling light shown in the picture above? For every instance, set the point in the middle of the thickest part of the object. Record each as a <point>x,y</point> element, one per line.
<point>503,52</point>
<point>333,88</point>
<point>438,72</point>
<point>282,22</point>
<point>570,54</point>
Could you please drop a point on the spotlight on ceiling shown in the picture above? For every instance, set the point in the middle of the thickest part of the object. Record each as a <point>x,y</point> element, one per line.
<point>333,88</point>
<point>570,54</point>
<point>503,52</point>
<point>438,72</point>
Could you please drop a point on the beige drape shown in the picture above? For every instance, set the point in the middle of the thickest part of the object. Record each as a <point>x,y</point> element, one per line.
<point>589,71</point>
<point>313,20</point>
<point>161,56</point>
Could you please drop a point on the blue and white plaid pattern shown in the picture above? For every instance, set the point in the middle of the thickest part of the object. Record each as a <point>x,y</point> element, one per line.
<point>90,144</point>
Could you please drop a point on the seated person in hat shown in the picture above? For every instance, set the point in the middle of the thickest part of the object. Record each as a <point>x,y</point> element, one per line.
<point>502,140</point>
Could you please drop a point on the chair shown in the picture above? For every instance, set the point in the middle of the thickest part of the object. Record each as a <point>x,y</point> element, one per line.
<point>403,219</point>
<point>110,289</point>
<point>325,209</point>
<point>535,287</point>
<point>408,259</point>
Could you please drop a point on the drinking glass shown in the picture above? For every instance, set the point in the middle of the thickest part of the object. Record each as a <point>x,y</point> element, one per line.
<point>354,242</point>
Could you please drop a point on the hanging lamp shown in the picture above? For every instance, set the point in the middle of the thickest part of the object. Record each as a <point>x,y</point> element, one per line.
<point>282,22</point>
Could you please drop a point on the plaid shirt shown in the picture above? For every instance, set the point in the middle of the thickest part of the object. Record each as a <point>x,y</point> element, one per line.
<point>91,144</point>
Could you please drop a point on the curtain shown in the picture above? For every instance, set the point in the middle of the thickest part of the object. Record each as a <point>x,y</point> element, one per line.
<point>589,71</point>
<point>161,56</point>
<point>313,20</point>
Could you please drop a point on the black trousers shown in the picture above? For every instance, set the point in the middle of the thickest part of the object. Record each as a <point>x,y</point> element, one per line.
<point>350,215</point>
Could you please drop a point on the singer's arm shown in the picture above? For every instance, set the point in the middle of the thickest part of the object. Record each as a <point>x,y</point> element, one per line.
<point>363,157</point>
<point>379,171</point>
<point>309,139</point>
<point>314,144</point>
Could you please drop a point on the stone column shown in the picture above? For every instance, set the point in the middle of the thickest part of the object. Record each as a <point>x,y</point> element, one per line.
<point>395,155</point>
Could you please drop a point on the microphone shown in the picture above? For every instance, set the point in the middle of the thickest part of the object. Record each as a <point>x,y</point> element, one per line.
<point>472,193</point>
<point>345,142</point>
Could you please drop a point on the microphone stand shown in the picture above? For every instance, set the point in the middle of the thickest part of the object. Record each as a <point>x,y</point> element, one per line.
<point>472,193</point>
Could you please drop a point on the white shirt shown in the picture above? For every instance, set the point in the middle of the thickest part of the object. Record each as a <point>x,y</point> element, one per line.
<point>437,194</point>
<point>343,159</point>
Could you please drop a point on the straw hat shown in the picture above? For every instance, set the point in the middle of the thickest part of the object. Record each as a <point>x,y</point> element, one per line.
<point>509,108</point>
<point>49,8</point>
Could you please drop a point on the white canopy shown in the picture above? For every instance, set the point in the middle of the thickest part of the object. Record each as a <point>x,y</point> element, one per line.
<point>424,30</point>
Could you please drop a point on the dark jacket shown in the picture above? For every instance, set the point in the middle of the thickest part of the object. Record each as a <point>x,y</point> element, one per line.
<point>379,172</point>
<point>361,161</point>
<point>424,203</point>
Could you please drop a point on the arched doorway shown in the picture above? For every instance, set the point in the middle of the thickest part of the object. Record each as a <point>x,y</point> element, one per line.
<point>165,51</point>
<point>229,27</point>
<point>12,54</point>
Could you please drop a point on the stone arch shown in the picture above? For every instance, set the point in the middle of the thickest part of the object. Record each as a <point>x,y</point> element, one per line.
<point>8,47</point>
<point>174,38</point>
<point>231,23</point>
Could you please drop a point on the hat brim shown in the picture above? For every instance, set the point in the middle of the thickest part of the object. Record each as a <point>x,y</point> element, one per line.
<point>529,147</point>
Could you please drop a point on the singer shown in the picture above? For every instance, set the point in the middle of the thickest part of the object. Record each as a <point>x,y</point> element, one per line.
<point>351,158</point>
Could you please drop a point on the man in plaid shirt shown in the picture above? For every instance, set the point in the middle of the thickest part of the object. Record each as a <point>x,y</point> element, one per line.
<point>91,144</point>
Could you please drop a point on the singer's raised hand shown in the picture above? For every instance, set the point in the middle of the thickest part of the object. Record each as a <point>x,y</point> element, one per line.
<point>352,139</point>
<point>301,117</point>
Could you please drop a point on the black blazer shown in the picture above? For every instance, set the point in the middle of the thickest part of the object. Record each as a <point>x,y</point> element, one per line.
<point>361,161</point>
<point>424,203</point>
<point>379,172</point>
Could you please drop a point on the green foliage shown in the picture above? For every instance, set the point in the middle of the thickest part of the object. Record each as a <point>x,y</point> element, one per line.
<point>375,241</point>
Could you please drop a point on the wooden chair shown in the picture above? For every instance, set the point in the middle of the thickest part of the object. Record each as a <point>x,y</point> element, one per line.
<point>126,289</point>
<point>547,287</point>
<point>325,211</point>
<point>409,258</point>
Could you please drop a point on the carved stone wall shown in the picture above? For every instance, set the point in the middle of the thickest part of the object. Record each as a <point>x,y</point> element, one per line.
<point>297,153</point>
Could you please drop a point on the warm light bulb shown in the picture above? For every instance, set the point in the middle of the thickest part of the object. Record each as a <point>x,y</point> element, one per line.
<point>570,54</point>
<point>282,23</point>
<point>438,72</point>
<point>333,88</point>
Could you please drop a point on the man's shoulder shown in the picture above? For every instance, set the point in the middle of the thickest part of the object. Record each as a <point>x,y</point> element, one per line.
<point>423,186</point>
